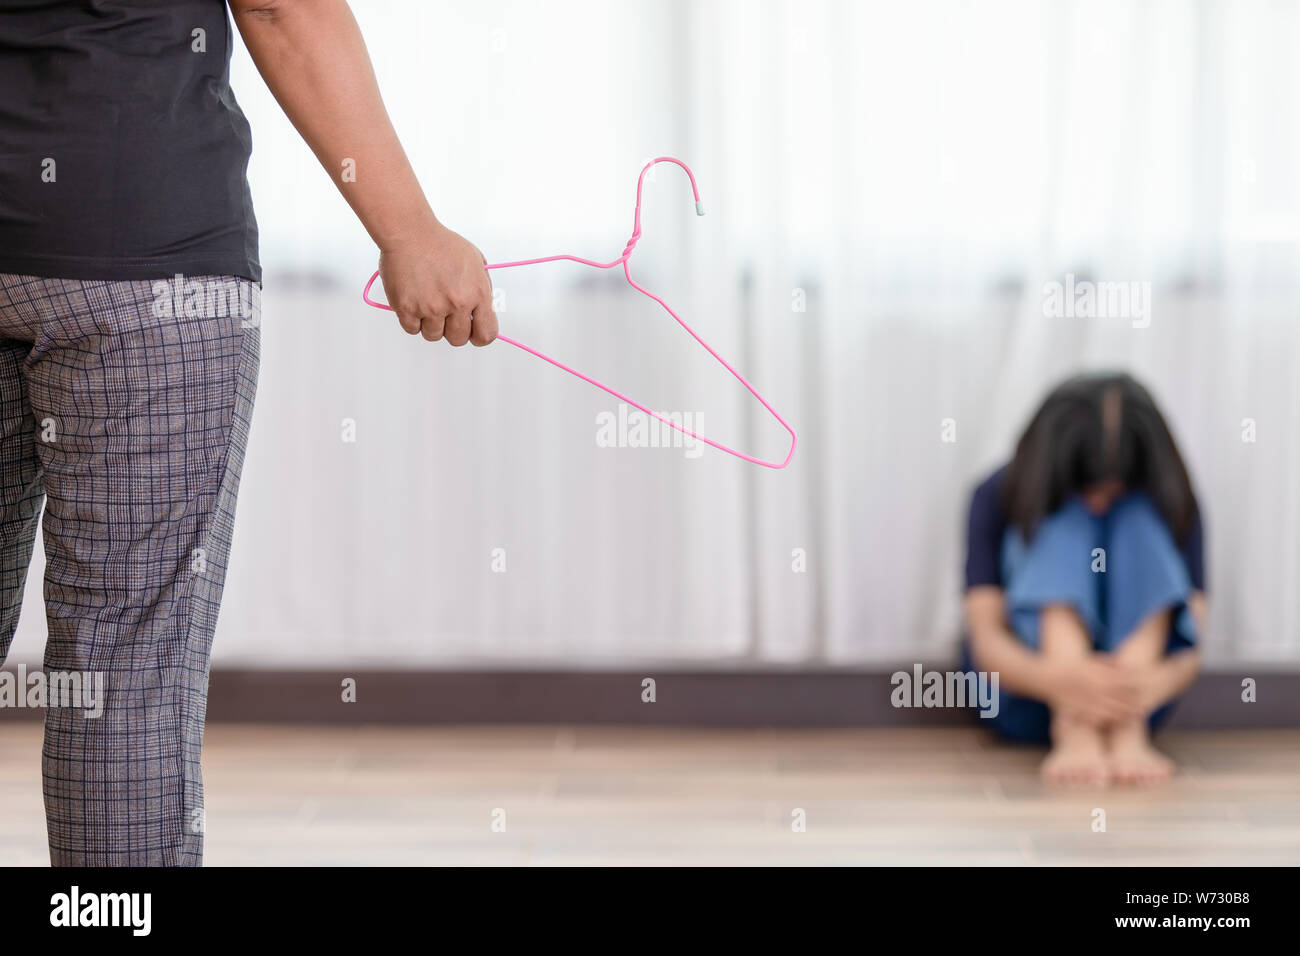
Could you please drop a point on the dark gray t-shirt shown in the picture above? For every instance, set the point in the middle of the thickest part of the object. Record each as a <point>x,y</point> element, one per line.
<point>123,154</point>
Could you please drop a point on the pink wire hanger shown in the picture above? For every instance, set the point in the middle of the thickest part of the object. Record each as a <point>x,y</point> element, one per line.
<point>623,260</point>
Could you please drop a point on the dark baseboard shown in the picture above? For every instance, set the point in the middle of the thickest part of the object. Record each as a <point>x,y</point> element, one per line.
<point>682,698</point>
<point>758,698</point>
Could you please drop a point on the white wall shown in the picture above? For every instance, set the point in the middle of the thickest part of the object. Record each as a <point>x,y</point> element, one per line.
<point>919,171</point>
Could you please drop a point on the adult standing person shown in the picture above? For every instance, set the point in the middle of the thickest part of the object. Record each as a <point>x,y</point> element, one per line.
<point>123,412</point>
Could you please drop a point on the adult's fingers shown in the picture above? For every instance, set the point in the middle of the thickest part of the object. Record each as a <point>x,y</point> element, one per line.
<point>459,326</point>
<point>432,327</point>
<point>408,319</point>
<point>485,325</point>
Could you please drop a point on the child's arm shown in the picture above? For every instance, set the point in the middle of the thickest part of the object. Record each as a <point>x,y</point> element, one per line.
<point>1176,672</point>
<point>1092,689</point>
<point>994,648</point>
<point>313,59</point>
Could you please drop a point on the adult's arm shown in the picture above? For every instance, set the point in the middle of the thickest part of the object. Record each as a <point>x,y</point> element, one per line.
<point>313,59</point>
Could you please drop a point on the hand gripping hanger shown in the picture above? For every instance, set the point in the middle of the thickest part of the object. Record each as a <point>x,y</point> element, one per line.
<point>623,261</point>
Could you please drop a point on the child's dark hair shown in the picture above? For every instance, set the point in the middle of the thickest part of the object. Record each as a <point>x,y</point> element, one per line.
<point>1092,428</point>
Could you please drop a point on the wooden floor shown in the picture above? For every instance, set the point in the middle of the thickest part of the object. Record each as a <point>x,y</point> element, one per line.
<point>384,795</point>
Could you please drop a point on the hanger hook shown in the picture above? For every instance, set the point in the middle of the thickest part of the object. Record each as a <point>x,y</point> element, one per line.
<point>636,223</point>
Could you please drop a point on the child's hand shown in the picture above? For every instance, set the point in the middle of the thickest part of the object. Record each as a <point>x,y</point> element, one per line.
<point>438,287</point>
<point>1098,691</point>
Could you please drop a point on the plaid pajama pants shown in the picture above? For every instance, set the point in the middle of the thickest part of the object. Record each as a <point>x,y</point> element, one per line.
<point>129,417</point>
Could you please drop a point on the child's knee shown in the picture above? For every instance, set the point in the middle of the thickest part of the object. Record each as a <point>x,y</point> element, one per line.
<point>1134,518</point>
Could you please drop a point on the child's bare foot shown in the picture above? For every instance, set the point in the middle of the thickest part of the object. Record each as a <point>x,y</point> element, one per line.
<point>1133,760</point>
<point>1078,757</point>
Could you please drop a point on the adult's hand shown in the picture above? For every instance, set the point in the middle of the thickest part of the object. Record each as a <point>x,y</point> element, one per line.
<point>437,285</point>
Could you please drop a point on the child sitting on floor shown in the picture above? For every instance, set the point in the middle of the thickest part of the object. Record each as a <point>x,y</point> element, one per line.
<point>1085,582</point>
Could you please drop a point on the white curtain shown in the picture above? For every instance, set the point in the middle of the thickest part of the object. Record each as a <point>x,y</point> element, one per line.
<point>889,188</point>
